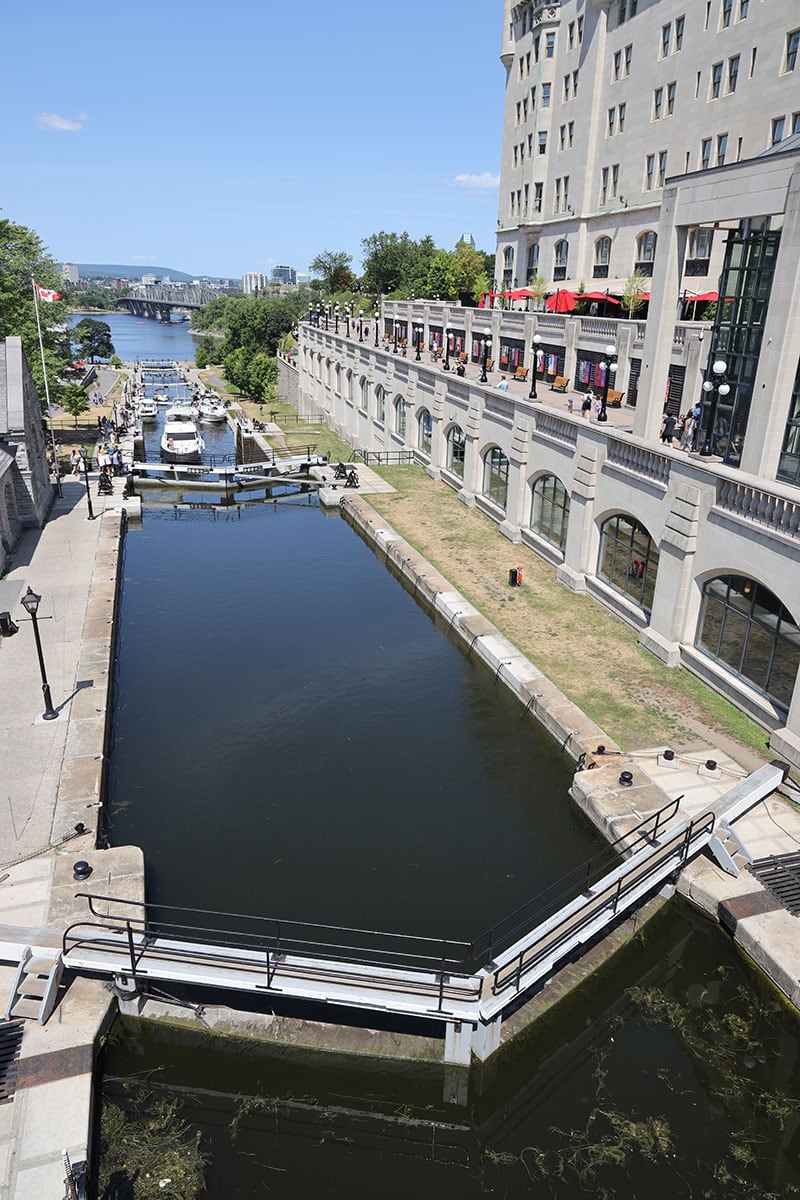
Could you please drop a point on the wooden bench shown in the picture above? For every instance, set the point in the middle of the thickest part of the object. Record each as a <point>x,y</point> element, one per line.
<point>614,399</point>
<point>521,373</point>
<point>559,384</point>
<point>462,356</point>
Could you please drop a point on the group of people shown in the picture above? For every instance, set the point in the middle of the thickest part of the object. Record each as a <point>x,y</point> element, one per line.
<point>685,428</point>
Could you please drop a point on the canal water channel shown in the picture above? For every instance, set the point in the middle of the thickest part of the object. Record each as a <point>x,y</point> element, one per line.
<point>293,736</point>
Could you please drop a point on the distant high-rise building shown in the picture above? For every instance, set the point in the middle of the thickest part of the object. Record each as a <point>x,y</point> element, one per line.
<point>254,281</point>
<point>284,275</point>
<point>149,280</point>
<point>468,240</point>
<point>70,273</point>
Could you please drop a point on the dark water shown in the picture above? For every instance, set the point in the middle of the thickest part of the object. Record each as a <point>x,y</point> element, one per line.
<point>137,338</point>
<point>672,1075</point>
<point>294,737</point>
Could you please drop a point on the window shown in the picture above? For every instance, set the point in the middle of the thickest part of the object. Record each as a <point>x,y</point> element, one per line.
<point>602,258</point>
<point>680,25</point>
<point>612,120</point>
<point>400,416</point>
<point>671,87</point>
<point>549,45</point>
<point>516,155</point>
<point>425,427</point>
<point>456,445</point>
<point>574,83</point>
<point>533,261</point>
<point>580,30</point>
<point>662,168</point>
<point>557,197</point>
<point>616,65</point>
<point>566,193</point>
<point>543,142</point>
<point>716,80</point>
<point>562,137</point>
<point>495,476</point>
<point>537,197</point>
<point>567,79</point>
<point>614,178</point>
<point>628,559</point>
<point>550,510</point>
<point>545,95</point>
<point>722,148</point>
<point>666,33</point>
<point>747,629</point>
<point>603,185</point>
<point>571,34</point>
<point>380,404</point>
<point>570,132</point>
<point>753,60</point>
<point>536,49</point>
<point>363,387</point>
<point>658,103</point>
<point>621,111</point>
<point>733,72</point>
<point>796,122</point>
<point>705,154</point>
<point>649,172</point>
<point>778,126</point>
<point>623,12</point>
<point>560,257</point>
<point>792,46</point>
<point>727,9</point>
<point>700,241</point>
<point>628,59</point>
<point>645,252</point>
<point>744,8</point>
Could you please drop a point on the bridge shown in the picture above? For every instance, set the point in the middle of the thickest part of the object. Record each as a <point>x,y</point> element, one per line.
<point>465,986</point>
<point>158,300</point>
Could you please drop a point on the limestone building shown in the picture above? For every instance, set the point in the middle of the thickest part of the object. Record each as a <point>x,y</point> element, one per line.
<point>25,490</point>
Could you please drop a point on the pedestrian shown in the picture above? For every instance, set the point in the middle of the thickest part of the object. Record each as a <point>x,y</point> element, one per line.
<point>598,406</point>
<point>570,403</point>
<point>74,462</point>
<point>687,432</point>
<point>503,384</point>
<point>586,406</point>
<point>668,429</point>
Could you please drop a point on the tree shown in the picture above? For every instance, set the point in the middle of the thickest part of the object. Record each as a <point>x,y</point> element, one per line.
<point>440,276</point>
<point>75,401</point>
<point>93,339</point>
<point>333,266</point>
<point>206,352</point>
<point>467,265</point>
<point>237,370</point>
<point>262,376</point>
<point>22,258</point>
<point>635,287</point>
<point>387,261</point>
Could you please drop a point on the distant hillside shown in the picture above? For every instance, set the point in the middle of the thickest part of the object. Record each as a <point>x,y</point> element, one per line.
<point>116,271</point>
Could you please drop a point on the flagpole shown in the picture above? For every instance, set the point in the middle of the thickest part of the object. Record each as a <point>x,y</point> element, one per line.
<point>46,389</point>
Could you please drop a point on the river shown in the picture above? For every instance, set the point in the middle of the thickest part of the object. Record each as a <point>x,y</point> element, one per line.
<point>138,338</point>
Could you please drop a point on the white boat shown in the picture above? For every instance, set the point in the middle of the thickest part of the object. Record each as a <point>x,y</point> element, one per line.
<point>181,441</point>
<point>212,409</point>
<point>160,397</point>
<point>147,410</point>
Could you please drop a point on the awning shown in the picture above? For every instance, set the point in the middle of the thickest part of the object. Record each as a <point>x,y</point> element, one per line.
<point>560,302</point>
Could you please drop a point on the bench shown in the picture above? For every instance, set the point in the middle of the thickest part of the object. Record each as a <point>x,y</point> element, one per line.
<point>559,384</point>
<point>436,353</point>
<point>521,373</point>
<point>614,399</point>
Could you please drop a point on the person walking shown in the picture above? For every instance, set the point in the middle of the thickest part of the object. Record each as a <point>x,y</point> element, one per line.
<point>586,407</point>
<point>668,429</point>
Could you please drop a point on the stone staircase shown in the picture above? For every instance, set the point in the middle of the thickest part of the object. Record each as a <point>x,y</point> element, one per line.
<point>35,988</point>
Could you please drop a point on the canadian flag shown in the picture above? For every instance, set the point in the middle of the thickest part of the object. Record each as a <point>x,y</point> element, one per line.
<point>47,295</point>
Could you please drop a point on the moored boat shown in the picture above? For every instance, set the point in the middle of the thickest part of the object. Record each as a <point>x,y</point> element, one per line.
<point>212,409</point>
<point>181,441</point>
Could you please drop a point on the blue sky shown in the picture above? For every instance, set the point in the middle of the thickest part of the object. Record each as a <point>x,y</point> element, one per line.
<point>223,138</point>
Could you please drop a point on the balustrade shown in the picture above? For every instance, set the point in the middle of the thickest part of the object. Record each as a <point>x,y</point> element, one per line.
<point>755,504</point>
<point>500,406</point>
<point>639,460</point>
<point>556,427</point>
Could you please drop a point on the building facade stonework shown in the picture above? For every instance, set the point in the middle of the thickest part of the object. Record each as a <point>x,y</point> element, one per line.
<point>26,493</point>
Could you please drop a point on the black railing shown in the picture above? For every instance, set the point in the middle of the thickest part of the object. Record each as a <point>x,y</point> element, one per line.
<point>385,458</point>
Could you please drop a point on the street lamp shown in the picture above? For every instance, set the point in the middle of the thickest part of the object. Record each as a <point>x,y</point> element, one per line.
<point>447,333</point>
<point>537,341</point>
<point>608,369</point>
<point>347,320</point>
<point>336,318</point>
<point>487,341</point>
<point>418,343</point>
<point>715,387</point>
<point>327,314</point>
<point>30,602</point>
<point>394,329</point>
<point>85,466</point>
<point>361,324</point>
<point>377,323</point>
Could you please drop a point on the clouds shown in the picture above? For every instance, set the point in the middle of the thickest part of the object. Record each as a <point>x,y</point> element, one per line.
<point>485,180</point>
<point>59,124</point>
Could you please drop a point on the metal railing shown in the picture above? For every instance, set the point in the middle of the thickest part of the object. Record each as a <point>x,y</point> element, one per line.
<point>385,458</point>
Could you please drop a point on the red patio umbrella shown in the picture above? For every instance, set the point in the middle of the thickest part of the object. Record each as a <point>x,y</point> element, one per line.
<point>597,296</point>
<point>519,294</point>
<point>703,298</point>
<point>560,302</point>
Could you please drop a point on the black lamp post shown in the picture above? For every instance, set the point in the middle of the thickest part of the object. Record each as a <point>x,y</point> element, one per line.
<point>418,343</point>
<point>336,318</point>
<point>361,324</point>
<point>85,466</point>
<point>608,369</point>
<point>446,363</point>
<point>487,341</point>
<point>347,320</point>
<point>394,328</point>
<point>30,602</point>
<point>537,341</point>
<point>716,386</point>
<point>327,314</point>
<point>377,323</point>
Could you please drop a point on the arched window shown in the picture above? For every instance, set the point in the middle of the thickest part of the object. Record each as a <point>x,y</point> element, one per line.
<point>338,379</point>
<point>533,261</point>
<point>348,386</point>
<point>400,416</point>
<point>628,559</point>
<point>380,404</point>
<point>425,427</point>
<point>746,628</point>
<point>363,387</point>
<point>602,257</point>
<point>560,257</point>
<point>456,443</point>
<point>550,510</point>
<point>646,252</point>
<point>495,476</point>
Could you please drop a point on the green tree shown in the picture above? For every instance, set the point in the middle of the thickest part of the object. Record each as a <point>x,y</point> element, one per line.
<point>334,269</point>
<point>237,369</point>
<point>93,339</point>
<point>387,261</point>
<point>211,315</point>
<point>440,276</point>
<point>75,401</point>
<point>206,352</point>
<point>467,265</point>
<point>23,258</point>
<point>262,376</point>
<point>635,287</point>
